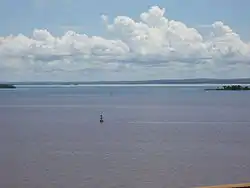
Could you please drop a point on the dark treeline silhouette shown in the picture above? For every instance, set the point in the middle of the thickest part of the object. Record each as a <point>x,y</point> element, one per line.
<point>7,86</point>
<point>231,87</point>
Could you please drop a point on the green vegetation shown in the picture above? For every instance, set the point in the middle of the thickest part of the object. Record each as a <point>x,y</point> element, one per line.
<point>7,86</point>
<point>232,88</point>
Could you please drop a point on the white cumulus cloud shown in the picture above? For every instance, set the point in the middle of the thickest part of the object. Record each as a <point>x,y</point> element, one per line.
<point>152,47</point>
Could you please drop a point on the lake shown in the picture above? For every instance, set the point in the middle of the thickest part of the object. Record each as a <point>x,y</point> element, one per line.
<point>152,137</point>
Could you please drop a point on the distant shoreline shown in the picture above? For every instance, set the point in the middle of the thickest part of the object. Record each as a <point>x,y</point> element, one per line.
<point>231,88</point>
<point>7,86</point>
<point>163,81</point>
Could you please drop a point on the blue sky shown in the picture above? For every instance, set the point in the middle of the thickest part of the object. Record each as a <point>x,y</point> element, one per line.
<point>142,39</point>
<point>23,16</point>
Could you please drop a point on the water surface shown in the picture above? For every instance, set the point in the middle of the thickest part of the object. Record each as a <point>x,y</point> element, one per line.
<point>152,137</point>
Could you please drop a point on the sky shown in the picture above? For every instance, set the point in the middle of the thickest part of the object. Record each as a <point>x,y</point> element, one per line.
<point>64,40</point>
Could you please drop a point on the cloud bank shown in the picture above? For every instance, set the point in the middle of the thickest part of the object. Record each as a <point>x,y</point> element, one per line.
<point>151,48</point>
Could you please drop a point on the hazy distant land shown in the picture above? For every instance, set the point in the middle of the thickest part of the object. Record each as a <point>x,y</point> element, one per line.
<point>162,81</point>
<point>231,88</point>
<point>7,86</point>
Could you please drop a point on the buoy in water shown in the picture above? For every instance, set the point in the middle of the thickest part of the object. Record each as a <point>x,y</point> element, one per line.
<point>101,119</point>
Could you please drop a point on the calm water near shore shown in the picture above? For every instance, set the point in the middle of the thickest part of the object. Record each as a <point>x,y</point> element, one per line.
<point>152,137</point>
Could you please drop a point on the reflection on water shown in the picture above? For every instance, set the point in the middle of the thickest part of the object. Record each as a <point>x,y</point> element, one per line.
<point>152,137</point>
